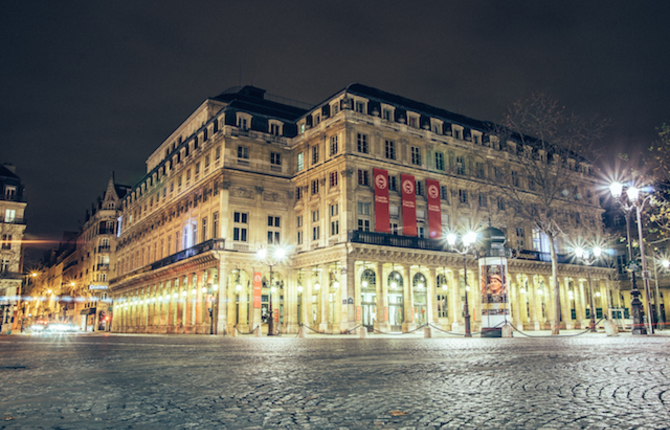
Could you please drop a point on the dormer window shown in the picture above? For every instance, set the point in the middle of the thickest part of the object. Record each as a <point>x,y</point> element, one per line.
<point>243,121</point>
<point>360,106</point>
<point>276,128</point>
<point>413,120</point>
<point>458,132</point>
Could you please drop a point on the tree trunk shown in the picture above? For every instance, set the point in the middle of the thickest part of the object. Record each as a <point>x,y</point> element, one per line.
<point>555,325</point>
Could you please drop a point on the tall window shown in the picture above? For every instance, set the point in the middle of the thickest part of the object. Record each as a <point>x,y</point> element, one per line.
<point>460,166</point>
<point>363,177</point>
<point>463,196</point>
<point>439,161</point>
<point>362,143</point>
<point>301,161</point>
<point>274,228</point>
<point>389,149</point>
<point>204,229</point>
<point>333,145</point>
<point>275,159</point>
<point>363,216</point>
<point>240,226</point>
<point>243,152</point>
<point>393,183</point>
<point>215,225</point>
<point>416,155</point>
<point>360,107</point>
<point>419,188</point>
<point>315,186</point>
<point>315,154</point>
<point>6,241</point>
<point>334,227</point>
<point>274,129</point>
<point>333,179</point>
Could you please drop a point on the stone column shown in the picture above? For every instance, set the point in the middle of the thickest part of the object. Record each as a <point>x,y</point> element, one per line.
<point>324,303</point>
<point>198,300</point>
<point>455,303</point>
<point>349,291</point>
<point>291,302</point>
<point>431,296</point>
<point>382,322</point>
<point>535,311</point>
<point>408,293</point>
<point>565,304</point>
<point>219,309</point>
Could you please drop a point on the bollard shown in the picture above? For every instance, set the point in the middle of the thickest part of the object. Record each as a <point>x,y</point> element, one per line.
<point>611,329</point>
<point>258,331</point>
<point>507,330</point>
<point>427,333</point>
<point>363,333</point>
<point>302,332</point>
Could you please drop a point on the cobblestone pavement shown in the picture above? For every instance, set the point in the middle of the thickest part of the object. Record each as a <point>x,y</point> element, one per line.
<point>179,382</point>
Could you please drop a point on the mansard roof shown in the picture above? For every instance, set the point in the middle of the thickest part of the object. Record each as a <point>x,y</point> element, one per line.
<point>255,100</point>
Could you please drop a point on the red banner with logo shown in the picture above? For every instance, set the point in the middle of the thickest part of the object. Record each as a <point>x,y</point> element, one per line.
<point>381,201</point>
<point>434,209</point>
<point>407,186</point>
<point>258,285</point>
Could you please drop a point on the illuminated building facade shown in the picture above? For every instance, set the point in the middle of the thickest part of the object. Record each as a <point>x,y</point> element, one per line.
<point>360,188</point>
<point>12,226</point>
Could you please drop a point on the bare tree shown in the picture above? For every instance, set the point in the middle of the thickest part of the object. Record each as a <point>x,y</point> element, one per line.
<point>544,173</point>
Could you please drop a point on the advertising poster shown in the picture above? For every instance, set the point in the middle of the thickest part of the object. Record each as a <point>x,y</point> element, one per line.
<point>434,209</point>
<point>494,290</point>
<point>382,223</point>
<point>258,285</point>
<point>408,205</point>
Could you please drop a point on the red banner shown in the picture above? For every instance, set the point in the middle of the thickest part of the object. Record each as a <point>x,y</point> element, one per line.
<point>434,210</point>
<point>381,201</point>
<point>407,186</point>
<point>258,285</point>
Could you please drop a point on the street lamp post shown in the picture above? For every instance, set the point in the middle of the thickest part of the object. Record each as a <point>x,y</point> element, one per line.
<point>589,259</point>
<point>467,241</point>
<point>637,308</point>
<point>275,255</point>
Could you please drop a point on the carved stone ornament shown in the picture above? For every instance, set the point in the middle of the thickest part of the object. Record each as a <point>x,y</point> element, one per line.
<point>243,193</point>
<point>271,197</point>
<point>259,190</point>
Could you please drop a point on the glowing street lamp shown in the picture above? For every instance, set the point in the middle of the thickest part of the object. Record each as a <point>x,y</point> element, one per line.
<point>271,256</point>
<point>467,241</point>
<point>633,197</point>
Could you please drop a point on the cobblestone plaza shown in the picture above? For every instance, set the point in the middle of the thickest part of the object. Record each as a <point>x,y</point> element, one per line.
<point>185,381</point>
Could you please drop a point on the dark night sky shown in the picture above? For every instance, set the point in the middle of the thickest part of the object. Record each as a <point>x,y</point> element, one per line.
<point>93,87</point>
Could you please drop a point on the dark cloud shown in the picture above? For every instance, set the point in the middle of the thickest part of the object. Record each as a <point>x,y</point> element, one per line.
<point>93,87</point>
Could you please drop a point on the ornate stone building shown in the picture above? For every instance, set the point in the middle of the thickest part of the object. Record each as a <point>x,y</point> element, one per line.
<point>12,226</point>
<point>73,283</point>
<point>359,188</point>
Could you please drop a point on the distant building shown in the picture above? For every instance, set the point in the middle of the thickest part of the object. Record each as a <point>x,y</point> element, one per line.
<point>12,226</point>
<point>247,171</point>
<point>74,282</point>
